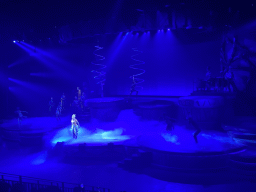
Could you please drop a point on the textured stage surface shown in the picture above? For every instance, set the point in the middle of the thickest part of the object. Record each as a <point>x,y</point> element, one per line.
<point>128,129</point>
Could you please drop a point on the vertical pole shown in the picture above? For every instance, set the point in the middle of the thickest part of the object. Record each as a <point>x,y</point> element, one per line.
<point>2,177</point>
<point>20,179</point>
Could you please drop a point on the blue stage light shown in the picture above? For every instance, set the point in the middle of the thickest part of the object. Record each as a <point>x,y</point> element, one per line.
<point>168,29</point>
<point>14,41</point>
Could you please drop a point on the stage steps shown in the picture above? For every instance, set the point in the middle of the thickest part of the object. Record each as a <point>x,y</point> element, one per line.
<point>244,163</point>
<point>246,156</point>
<point>85,115</point>
<point>139,160</point>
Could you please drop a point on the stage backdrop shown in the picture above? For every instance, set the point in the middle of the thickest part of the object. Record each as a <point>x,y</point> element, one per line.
<point>38,71</point>
<point>171,65</point>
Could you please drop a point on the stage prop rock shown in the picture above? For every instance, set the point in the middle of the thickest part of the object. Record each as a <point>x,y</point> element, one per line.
<point>105,109</point>
<point>206,111</point>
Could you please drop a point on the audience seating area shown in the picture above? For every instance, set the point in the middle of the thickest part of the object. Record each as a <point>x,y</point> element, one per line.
<point>17,183</point>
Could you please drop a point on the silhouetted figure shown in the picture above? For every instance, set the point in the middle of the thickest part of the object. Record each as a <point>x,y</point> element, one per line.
<point>208,74</point>
<point>79,93</point>
<point>229,76</point>
<point>221,81</point>
<point>58,112</point>
<point>83,98</point>
<point>63,101</point>
<point>20,115</point>
<point>208,78</point>
<point>170,123</point>
<point>133,87</point>
<point>195,125</point>
<point>51,105</point>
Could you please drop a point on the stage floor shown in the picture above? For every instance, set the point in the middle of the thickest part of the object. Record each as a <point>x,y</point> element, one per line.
<point>128,130</point>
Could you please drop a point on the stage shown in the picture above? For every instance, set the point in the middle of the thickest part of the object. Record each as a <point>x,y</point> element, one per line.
<point>136,145</point>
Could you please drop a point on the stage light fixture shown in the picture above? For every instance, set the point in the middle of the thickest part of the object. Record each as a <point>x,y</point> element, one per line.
<point>14,41</point>
<point>168,29</point>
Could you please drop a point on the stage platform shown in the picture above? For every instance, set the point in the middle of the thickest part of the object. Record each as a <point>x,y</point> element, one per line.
<point>136,143</point>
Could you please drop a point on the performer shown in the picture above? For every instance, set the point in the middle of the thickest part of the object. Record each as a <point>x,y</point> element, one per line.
<point>51,105</point>
<point>78,93</point>
<point>62,99</point>
<point>195,125</point>
<point>209,78</point>
<point>133,86</point>
<point>58,112</point>
<point>170,123</point>
<point>74,126</point>
<point>229,76</point>
<point>83,98</point>
<point>221,81</point>
<point>20,115</point>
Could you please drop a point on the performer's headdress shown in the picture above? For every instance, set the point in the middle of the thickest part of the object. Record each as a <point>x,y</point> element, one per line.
<point>74,115</point>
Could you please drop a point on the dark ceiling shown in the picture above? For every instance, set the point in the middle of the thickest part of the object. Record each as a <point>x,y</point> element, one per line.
<point>45,17</point>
